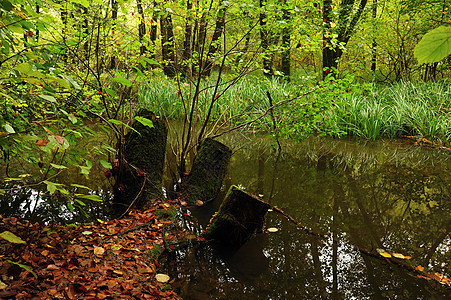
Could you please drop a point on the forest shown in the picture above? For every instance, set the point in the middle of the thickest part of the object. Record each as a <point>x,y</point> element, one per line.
<point>78,79</point>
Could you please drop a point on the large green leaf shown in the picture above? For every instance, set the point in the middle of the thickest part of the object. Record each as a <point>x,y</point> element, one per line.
<point>434,46</point>
<point>11,237</point>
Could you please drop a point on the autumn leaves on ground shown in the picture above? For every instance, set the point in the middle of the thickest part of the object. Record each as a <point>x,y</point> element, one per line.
<point>104,260</point>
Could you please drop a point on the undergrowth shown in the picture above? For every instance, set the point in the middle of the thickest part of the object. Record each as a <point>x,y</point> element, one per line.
<point>338,107</point>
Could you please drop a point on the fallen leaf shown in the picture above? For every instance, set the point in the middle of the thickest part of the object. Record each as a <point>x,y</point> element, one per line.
<point>116,247</point>
<point>162,278</point>
<point>401,256</point>
<point>99,251</point>
<point>183,203</point>
<point>45,253</point>
<point>385,254</point>
<point>199,203</point>
<point>145,270</point>
<point>2,285</point>
<point>11,237</point>
<point>59,139</point>
<point>52,267</point>
<point>272,229</point>
<point>41,142</point>
<point>419,268</point>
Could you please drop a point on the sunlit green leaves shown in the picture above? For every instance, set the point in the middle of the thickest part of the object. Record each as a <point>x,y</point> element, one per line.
<point>434,46</point>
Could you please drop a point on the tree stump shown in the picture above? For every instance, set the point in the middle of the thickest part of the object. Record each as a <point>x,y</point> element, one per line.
<point>141,169</point>
<point>239,217</point>
<point>209,168</point>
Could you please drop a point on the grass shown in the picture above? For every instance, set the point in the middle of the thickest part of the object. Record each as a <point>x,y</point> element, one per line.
<point>370,111</point>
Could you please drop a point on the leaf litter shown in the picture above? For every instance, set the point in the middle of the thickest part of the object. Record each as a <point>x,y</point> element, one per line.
<point>111,262</point>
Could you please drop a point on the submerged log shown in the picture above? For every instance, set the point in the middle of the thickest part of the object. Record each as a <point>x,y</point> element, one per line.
<point>141,169</point>
<point>239,217</point>
<point>209,168</point>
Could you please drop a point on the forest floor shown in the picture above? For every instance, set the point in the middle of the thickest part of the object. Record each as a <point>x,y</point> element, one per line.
<point>117,259</point>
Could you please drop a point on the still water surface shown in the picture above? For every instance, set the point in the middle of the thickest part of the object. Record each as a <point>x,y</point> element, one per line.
<point>383,195</point>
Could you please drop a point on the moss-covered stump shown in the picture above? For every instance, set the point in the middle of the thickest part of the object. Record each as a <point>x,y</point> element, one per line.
<point>141,172</point>
<point>239,216</point>
<point>209,168</point>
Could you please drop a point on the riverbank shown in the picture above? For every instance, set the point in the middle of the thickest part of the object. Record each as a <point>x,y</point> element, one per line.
<point>116,259</point>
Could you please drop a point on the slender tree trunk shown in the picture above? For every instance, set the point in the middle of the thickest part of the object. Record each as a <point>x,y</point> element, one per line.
<point>114,8</point>
<point>153,32</point>
<point>201,31</point>
<point>215,42</point>
<point>286,41</point>
<point>264,41</point>
<point>187,44</point>
<point>329,60</point>
<point>141,27</point>
<point>64,20</point>
<point>374,47</point>
<point>167,45</point>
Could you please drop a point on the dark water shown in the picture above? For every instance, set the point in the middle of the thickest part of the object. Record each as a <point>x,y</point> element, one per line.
<point>385,195</point>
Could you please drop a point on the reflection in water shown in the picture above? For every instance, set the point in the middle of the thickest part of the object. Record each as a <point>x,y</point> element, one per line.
<point>379,195</point>
<point>376,195</point>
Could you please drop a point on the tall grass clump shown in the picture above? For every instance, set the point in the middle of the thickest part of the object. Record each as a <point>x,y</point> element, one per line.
<point>421,109</point>
<point>239,102</point>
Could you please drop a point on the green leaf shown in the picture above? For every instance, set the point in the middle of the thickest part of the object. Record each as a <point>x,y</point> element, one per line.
<point>23,67</point>
<point>24,267</point>
<point>11,237</point>
<point>434,46</point>
<point>86,232</point>
<point>123,81</point>
<point>48,98</point>
<point>80,186</point>
<point>59,167</point>
<point>70,206</point>
<point>51,186</point>
<point>105,164</point>
<point>94,198</point>
<point>72,82</point>
<point>80,202</point>
<point>144,121</point>
<point>9,128</point>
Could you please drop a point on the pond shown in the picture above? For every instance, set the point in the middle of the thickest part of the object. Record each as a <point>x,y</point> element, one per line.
<point>387,195</point>
<point>383,195</point>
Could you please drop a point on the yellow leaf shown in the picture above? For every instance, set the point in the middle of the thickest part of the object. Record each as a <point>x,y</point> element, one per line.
<point>401,256</point>
<point>162,278</point>
<point>385,254</point>
<point>272,229</point>
<point>419,268</point>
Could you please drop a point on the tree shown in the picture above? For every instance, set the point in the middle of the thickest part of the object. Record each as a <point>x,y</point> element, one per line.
<point>338,31</point>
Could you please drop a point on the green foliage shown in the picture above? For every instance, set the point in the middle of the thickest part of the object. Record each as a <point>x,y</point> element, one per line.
<point>434,46</point>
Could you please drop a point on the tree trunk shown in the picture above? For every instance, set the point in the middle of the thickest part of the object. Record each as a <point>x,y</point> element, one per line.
<point>141,27</point>
<point>264,41</point>
<point>286,41</point>
<point>207,173</point>
<point>215,42</point>
<point>329,60</point>
<point>187,44</point>
<point>167,45</point>
<point>239,217</point>
<point>114,9</point>
<point>346,23</point>
<point>374,47</point>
